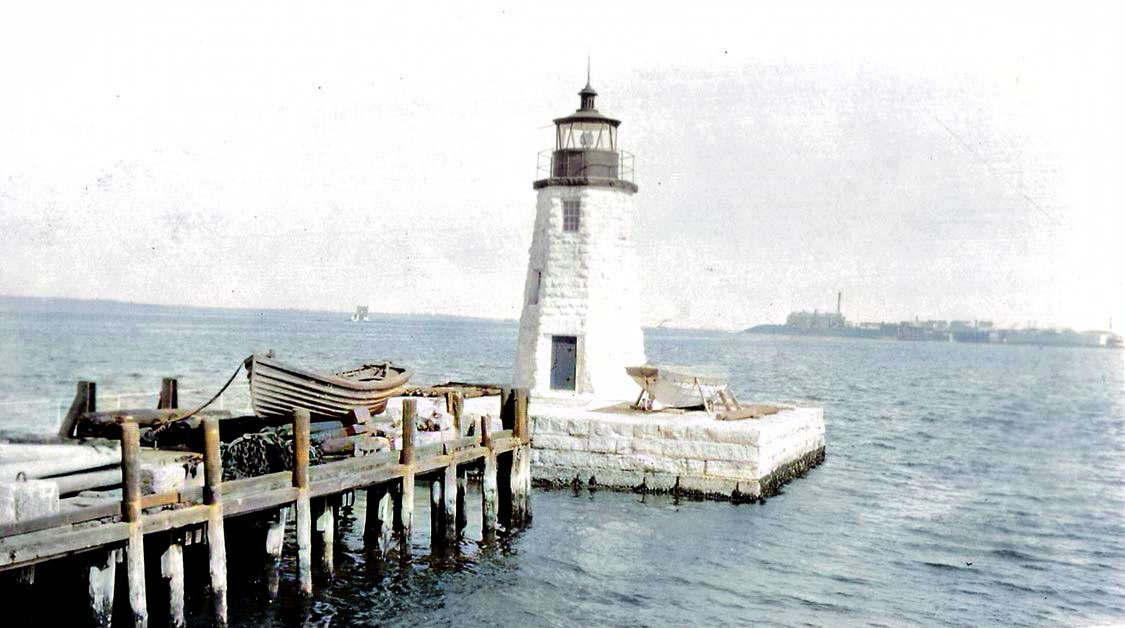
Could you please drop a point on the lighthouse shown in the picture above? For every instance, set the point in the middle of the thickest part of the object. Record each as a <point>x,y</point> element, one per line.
<point>580,325</point>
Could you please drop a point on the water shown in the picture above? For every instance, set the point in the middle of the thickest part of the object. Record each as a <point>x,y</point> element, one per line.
<point>963,485</point>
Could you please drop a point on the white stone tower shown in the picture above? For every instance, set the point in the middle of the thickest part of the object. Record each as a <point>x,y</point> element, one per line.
<point>581,325</point>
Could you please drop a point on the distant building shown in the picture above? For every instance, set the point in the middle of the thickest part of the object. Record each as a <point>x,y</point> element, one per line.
<point>815,320</point>
<point>819,320</point>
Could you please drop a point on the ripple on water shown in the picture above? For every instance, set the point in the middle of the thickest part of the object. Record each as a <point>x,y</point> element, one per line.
<point>939,454</point>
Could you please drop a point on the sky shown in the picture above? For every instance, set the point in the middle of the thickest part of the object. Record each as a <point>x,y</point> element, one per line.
<point>953,161</point>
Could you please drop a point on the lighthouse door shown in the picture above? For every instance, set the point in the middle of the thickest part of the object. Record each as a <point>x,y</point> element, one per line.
<point>564,362</point>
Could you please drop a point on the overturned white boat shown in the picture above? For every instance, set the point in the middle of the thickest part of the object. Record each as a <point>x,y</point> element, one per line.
<point>681,387</point>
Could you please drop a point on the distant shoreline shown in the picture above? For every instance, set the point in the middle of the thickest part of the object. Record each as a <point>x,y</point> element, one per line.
<point>1008,337</point>
<point>114,306</point>
<point>12,303</point>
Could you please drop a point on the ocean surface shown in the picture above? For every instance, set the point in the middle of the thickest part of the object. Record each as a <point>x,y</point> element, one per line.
<point>964,485</point>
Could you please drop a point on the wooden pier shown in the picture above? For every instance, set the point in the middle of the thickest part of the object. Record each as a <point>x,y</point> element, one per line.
<point>96,539</point>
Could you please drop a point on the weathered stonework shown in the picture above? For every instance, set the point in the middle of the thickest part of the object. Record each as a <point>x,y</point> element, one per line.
<point>586,282</point>
<point>614,446</point>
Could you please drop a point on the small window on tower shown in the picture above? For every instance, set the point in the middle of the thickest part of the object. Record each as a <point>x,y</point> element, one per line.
<point>535,281</point>
<point>572,213</point>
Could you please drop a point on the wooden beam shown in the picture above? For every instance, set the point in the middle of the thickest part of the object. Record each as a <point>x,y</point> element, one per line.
<point>85,400</point>
<point>36,547</point>
<point>69,517</point>
<point>460,443</point>
<point>245,503</point>
<point>508,409</point>
<point>301,421</point>
<point>101,577</point>
<point>377,521</point>
<point>326,526</point>
<point>449,504</point>
<point>521,462</point>
<point>172,571</point>
<point>488,481</point>
<point>173,519</point>
<point>432,463</point>
<point>404,505</point>
<point>169,394</point>
<point>521,428</point>
<point>216,536</point>
<point>275,540</point>
<point>437,515</point>
<point>131,512</point>
<point>339,483</point>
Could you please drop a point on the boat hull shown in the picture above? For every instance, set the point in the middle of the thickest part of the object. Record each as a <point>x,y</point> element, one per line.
<point>276,389</point>
<point>677,388</point>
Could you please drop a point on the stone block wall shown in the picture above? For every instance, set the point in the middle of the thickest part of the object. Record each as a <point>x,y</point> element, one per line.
<point>587,288</point>
<point>668,452</point>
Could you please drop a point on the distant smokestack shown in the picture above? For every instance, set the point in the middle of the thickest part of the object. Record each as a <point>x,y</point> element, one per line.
<point>839,302</point>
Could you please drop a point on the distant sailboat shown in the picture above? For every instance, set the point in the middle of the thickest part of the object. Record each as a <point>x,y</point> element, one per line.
<point>360,313</point>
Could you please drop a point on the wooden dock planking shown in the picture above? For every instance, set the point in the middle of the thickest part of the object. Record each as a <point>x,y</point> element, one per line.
<point>240,497</point>
<point>102,530</point>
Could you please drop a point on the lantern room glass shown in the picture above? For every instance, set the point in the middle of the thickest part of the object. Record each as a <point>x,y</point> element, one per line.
<point>586,135</point>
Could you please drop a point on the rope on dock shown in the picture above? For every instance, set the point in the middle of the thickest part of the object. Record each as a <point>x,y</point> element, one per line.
<point>155,432</point>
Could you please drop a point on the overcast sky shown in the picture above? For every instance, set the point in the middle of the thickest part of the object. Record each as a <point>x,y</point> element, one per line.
<point>954,162</point>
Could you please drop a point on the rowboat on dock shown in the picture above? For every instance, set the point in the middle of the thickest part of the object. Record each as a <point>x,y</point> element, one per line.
<point>276,389</point>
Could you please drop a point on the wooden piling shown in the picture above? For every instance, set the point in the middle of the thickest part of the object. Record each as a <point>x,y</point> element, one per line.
<point>216,537</point>
<point>275,540</point>
<point>85,400</point>
<point>198,512</point>
<point>301,421</point>
<point>437,514</point>
<point>100,580</point>
<point>131,513</point>
<point>456,402</point>
<point>405,498</point>
<point>504,461</point>
<point>172,570</point>
<point>520,427</point>
<point>449,504</point>
<point>521,462</point>
<point>169,394</point>
<point>488,483</point>
<point>378,521</point>
<point>326,527</point>
<point>462,514</point>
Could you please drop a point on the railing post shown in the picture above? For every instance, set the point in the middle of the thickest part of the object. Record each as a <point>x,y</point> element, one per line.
<point>85,400</point>
<point>404,506</point>
<point>169,394</point>
<point>131,513</point>
<point>216,537</point>
<point>301,422</point>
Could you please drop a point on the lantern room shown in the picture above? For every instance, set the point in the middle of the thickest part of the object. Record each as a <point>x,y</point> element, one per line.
<point>586,150</point>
